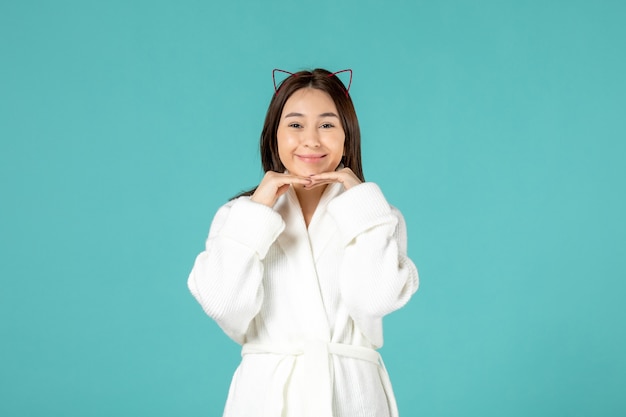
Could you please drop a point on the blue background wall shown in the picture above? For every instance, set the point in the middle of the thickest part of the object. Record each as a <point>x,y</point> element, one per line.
<point>497,127</point>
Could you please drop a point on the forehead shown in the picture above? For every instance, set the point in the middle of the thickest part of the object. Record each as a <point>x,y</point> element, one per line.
<point>310,101</point>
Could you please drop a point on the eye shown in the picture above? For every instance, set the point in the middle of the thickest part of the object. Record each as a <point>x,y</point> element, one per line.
<point>295,125</point>
<point>327,125</point>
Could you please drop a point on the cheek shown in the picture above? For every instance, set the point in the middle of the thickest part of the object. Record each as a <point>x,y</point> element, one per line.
<point>340,144</point>
<point>280,139</point>
<point>285,138</point>
<point>285,144</point>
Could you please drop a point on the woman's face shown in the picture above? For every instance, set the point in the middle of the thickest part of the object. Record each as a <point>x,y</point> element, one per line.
<point>310,136</point>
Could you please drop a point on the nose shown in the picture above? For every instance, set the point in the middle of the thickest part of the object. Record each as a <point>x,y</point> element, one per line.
<point>312,138</point>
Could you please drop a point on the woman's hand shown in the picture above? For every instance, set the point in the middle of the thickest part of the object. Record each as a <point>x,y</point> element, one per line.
<point>275,184</point>
<point>344,176</point>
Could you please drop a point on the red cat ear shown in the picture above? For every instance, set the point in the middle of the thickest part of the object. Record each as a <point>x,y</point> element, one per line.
<point>274,77</point>
<point>349,83</point>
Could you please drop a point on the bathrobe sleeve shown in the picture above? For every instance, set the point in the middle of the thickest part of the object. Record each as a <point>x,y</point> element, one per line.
<point>226,278</point>
<point>376,276</point>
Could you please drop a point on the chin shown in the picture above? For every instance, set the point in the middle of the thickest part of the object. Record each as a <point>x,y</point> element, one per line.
<point>313,171</point>
<point>308,170</point>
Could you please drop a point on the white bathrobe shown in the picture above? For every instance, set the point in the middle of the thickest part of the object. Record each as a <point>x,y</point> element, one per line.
<point>307,304</point>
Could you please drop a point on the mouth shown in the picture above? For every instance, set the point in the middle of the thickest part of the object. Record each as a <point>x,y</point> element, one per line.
<point>311,158</point>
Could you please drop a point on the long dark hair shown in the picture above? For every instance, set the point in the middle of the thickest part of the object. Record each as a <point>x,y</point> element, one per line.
<point>319,79</point>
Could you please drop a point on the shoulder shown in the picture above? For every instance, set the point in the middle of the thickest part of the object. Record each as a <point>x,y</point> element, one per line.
<point>226,208</point>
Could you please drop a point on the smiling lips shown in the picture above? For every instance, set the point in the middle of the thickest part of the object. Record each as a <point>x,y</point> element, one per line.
<point>311,158</point>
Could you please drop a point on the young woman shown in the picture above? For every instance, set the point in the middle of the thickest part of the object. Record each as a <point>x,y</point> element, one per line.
<point>301,270</point>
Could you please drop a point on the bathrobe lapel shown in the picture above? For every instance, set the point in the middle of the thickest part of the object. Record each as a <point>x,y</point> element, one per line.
<point>301,247</point>
<point>323,227</point>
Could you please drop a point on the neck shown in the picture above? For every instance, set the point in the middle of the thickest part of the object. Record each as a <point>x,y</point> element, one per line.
<point>309,199</point>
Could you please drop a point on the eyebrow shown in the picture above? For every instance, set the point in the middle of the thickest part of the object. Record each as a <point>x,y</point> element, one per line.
<point>327,114</point>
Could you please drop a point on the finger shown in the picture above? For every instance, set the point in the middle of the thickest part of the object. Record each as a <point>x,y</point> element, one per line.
<point>274,185</point>
<point>282,190</point>
<point>342,173</point>
<point>274,175</point>
<point>344,176</point>
<point>327,178</point>
<point>315,184</point>
<point>292,177</point>
<point>283,179</point>
<point>338,171</point>
<point>299,179</point>
<point>296,180</point>
<point>324,175</point>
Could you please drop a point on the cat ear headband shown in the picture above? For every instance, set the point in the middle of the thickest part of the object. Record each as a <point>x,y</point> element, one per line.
<point>276,87</point>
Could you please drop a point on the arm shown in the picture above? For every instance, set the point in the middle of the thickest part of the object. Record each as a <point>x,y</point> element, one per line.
<point>376,276</point>
<point>226,278</point>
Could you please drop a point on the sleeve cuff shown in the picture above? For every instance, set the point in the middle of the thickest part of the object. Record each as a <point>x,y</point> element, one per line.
<point>253,225</point>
